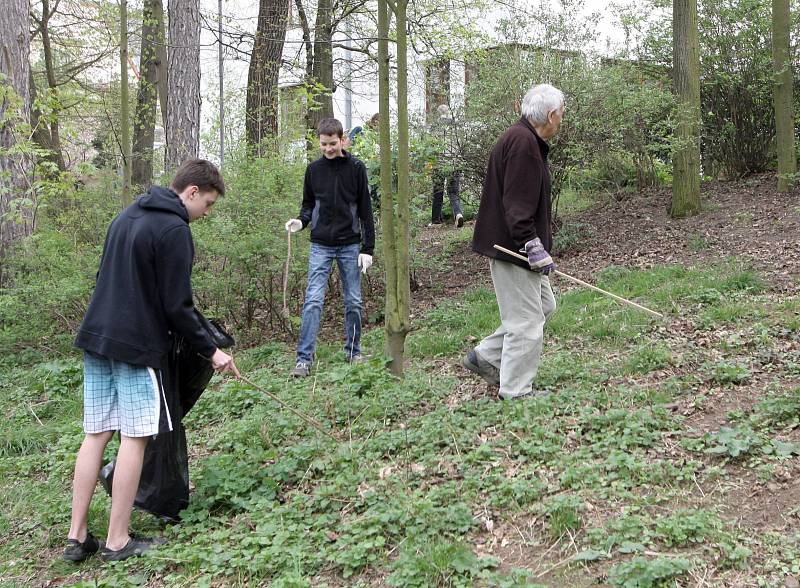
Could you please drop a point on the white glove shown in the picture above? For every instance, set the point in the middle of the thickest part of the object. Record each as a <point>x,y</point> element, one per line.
<point>364,262</point>
<point>294,225</point>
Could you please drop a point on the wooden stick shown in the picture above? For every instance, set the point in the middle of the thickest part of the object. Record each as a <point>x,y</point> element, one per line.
<point>303,416</point>
<point>585,284</point>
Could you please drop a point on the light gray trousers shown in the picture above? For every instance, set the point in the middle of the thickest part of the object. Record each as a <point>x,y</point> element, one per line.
<point>526,301</point>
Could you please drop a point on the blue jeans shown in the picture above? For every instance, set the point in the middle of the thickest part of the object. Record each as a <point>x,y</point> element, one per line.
<point>320,261</point>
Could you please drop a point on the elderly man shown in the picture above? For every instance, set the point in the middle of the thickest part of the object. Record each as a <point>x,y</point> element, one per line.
<point>515,213</point>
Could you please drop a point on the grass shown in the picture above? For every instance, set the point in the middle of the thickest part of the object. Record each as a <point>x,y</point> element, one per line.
<point>438,484</point>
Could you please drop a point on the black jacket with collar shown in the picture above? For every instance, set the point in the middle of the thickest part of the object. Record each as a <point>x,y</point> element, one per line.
<point>143,292</point>
<point>336,203</point>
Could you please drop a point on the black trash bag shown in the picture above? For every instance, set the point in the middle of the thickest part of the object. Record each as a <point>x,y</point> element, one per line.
<point>164,483</point>
<point>194,370</point>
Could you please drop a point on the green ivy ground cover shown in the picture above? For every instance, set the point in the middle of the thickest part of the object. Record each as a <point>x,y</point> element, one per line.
<point>628,475</point>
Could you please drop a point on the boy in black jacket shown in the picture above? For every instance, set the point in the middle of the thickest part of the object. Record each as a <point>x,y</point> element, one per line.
<point>143,294</point>
<point>337,206</point>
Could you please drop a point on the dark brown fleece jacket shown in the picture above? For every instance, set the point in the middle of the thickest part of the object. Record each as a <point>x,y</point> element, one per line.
<point>515,204</point>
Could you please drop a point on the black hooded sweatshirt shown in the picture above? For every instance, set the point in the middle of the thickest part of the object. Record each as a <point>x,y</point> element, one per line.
<point>336,203</point>
<point>143,292</point>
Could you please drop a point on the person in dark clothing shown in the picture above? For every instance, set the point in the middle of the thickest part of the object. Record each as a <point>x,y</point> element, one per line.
<point>515,213</point>
<point>336,204</point>
<point>142,297</point>
<point>446,174</point>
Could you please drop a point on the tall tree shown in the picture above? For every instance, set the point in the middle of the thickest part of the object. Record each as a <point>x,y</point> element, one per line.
<point>394,212</point>
<point>124,104</point>
<point>782,94</point>
<point>144,120</point>
<point>322,71</point>
<point>686,68</point>
<point>183,82</point>
<point>40,127</point>
<point>394,351</point>
<point>262,80</point>
<point>319,45</point>
<point>14,109</point>
<point>57,153</point>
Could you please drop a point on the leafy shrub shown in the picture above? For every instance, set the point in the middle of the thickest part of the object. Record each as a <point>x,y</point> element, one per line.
<point>735,80</point>
<point>241,251</point>
<point>689,526</point>
<point>564,514</point>
<point>782,410</point>
<point>569,235</point>
<point>437,563</point>
<point>731,442</point>
<point>641,572</point>
<point>727,373</point>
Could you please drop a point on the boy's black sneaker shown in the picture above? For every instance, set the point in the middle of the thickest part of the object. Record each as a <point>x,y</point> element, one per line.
<point>77,551</point>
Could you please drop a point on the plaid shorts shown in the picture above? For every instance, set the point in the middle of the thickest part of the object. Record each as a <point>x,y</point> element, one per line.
<point>119,396</point>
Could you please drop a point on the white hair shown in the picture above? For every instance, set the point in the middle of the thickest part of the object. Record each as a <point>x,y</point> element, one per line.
<point>540,101</point>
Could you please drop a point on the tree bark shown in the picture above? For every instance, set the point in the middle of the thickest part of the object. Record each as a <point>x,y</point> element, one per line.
<point>14,110</point>
<point>124,105</point>
<point>183,82</point>
<point>782,95</point>
<point>52,84</point>
<point>261,112</point>
<point>322,68</point>
<point>144,120</point>
<point>41,130</point>
<point>394,220</point>
<point>686,159</point>
<point>161,61</point>
<point>400,325</point>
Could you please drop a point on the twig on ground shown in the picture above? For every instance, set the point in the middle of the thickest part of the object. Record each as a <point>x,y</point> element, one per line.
<point>293,410</point>
<point>30,408</point>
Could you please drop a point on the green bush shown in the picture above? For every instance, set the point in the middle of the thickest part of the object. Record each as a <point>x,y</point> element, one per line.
<point>238,274</point>
<point>616,128</point>
<point>49,276</point>
<point>736,79</point>
<point>641,572</point>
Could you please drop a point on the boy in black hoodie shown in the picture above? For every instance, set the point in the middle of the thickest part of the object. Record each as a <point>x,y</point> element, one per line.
<point>336,205</point>
<point>143,294</point>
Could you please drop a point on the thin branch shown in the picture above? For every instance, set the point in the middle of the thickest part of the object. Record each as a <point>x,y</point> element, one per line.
<point>301,12</point>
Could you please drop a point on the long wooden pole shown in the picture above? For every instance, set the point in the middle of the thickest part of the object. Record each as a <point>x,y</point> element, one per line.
<point>586,284</point>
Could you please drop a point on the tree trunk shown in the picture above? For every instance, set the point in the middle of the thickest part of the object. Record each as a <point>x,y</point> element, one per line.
<point>395,224</point>
<point>686,159</point>
<point>161,61</point>
<point>40,129</point>
<point>399,326</point>
<point>124,104</point>
<point>784,116</point>
<point>322,71</point>
<point>144,121</point>
<point>52,84</point>
<point>183,82</point>
<point>261,113</point>
<point>14,111</point>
